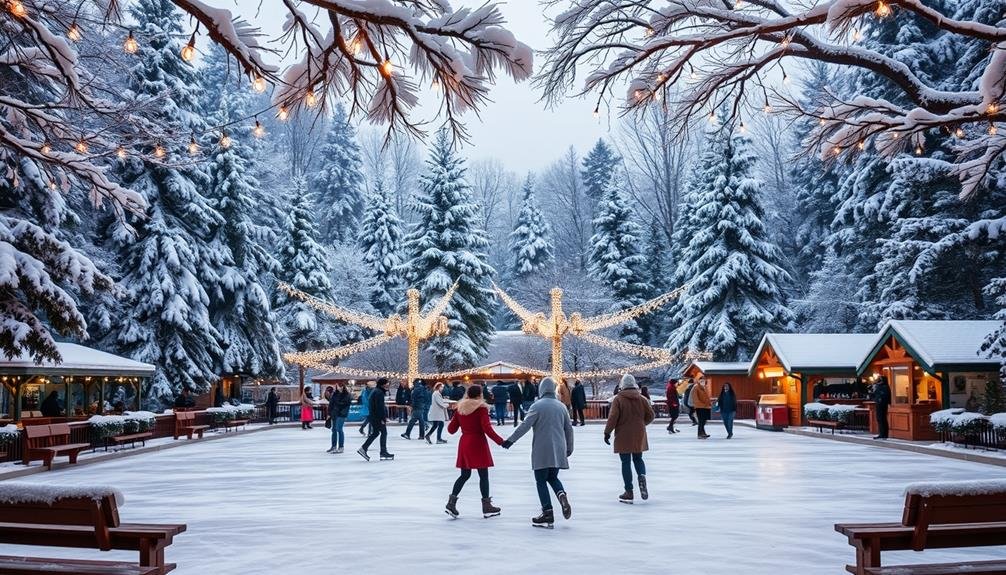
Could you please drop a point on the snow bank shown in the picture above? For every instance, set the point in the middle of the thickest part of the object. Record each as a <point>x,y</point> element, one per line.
<point>9,433</point>
<point>13,492</point>
<point>998,420</point>
<point>960,420</point>
<point>842,413</point>
<point>973,487</point>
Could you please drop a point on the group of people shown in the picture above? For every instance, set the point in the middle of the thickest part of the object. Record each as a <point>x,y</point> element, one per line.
<point>699,405</point>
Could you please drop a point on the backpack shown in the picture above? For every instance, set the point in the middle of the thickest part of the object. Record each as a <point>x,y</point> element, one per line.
<point>688,396</point>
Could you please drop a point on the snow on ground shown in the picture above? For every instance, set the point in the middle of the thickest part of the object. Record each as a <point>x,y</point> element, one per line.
<point>274,502</point>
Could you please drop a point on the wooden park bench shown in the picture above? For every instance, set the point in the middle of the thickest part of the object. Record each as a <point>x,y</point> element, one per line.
<point>130,438</point>
<point>234,424</point>
<point>820,424</point>
<point>46,442</point>
<point>34,516</point>
<point>935,518</point>
<point>185,424</point>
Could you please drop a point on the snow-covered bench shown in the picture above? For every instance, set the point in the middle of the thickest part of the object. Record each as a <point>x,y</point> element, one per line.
<point>937,515</point>
<point>85,518</point>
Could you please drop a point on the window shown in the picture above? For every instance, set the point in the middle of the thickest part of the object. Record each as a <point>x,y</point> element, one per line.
<point>902,384</point>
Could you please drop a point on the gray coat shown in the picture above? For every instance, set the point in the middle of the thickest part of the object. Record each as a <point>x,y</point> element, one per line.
<point>553,431</point>
<point>438,408</point>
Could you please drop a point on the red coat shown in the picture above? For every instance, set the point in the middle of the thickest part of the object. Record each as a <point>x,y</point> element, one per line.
<point>473,449</point>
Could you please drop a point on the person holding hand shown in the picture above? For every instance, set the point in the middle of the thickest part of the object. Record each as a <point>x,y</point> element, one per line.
<point>472,418</point>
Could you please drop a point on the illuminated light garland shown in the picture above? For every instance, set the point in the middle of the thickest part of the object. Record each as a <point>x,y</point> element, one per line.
<point>337,352</point>
<point>612,319</point>
<point>349,316</point>
<point>625,347</point>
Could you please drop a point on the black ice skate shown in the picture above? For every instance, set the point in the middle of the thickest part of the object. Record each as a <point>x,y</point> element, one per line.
<point>452,507</point>
<point>546,520</point>
<point>642,488</point>
<point>363,453</point>
<point>626,497</point>
<point>488,510</point>
<point>387,456</point>
<point>567,511</point>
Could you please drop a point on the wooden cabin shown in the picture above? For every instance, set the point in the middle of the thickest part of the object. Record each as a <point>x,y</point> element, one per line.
<point>930,365</point>
<point>717,373</point>
<point>811,366</point>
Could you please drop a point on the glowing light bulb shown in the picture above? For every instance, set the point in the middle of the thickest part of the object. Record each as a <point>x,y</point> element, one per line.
<point>81,147</point>
<point>159,151</point>
<point>768,108</point>
<point>597,113</point>
<point>258,130</point>
<point>356,46</point>
<point>189,50</point>
<point>785,42</point>
<point>193,146</point>
<point>785,79</point>
<point>130,46</point>
<point>992,129</point>
<point>857,35</point>
<point>120,153</point>
<point>992,108</point>
<point>743,128</point>
<point>918,150</point>
<point>258,84</point>
<point>836,150</point>
<point>46,148</point>
<point>387,68</point>
<point>883,10</point>
<point>821,121</point>
<point>861,145</point>
<point>310,99</point>
<point>73,32</point>
<point>225,141</point>
<point>959,132</point>
<point>17,9</point>
<point>283,113</point>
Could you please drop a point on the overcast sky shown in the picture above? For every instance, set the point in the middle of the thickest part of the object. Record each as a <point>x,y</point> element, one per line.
<point>515,127</point>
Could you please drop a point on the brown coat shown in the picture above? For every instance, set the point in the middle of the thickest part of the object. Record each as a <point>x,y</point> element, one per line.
<point>563,395</point>
<point>630,414</point>
<point>700,397</point>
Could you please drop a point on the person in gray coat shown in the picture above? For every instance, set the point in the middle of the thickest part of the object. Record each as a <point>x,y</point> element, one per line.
<point>550,449</point>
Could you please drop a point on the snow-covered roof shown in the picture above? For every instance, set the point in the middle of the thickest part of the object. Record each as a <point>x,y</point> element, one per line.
<point>77,360</point>
<point>938,342</point>
<point>821,351</point>
<point>720,367</point>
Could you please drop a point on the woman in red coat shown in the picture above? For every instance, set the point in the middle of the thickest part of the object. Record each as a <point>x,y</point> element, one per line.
<point>472,418</point>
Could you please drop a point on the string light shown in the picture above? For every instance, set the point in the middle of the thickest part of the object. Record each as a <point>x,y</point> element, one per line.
<point>17,8</point>
<point>918,150</point>
<point>992,108</point>
<point>46,148</point>
<point>861,145</point>
<point>836,150</point>
<point>310,99</point>
<point>189,50</point>
<point>225,140</point>
<point>355,46</point>
<point>120,153</point>
<point>387,68</point>
<point>712,117</point>
<point>159,151</point>
<point>73,32</point>
<point>283,114</point>
<point>597,112</point>
<point>193,146</point>
<point>857,35</point>
<point>768,107</point>
<point>821,121</point>
<point>959,132</point>
<point>258,84</point>
<point>81,146</point>
<point>130,46</point>
<point>743,128</point>
<point>992,129</point>
<point>883,10</point>
<point>259,129</point>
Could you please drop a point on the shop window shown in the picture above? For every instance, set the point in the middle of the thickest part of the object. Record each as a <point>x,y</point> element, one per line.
<point>902,385</point>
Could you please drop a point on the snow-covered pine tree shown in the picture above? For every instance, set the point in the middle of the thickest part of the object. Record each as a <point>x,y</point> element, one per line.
<point>381,237</point>
<point>167,263</point>
<point>531,248</point>
<point>616,261</point>
<point>599,167</point>
<point>736,280</point>
<point>445,245</point>
<point>656,272</point>
<point>304,265</point>
<point>338,187</point>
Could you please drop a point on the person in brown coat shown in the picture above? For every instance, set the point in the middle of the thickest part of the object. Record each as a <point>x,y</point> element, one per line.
<point>629,415</point>
<point>703,405</point>
<point>564,395</point>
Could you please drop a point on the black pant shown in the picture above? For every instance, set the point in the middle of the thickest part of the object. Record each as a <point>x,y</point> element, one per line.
<point>882,430</point>
<point>271,413</point>
<point>691,415</point>
<point>673,415</point>
<point>465,475</point>
<point>437,426</point>
<point>704,415</point>
<point>377,429</point>
<point>517,411</point>
<point>578,414</point>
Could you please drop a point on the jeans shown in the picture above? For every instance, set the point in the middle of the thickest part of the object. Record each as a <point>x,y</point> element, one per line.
<point>543,478</point>
<point>673,416</point>
<point>466,474</point>
<point>417,416</point>
<point>578,414</point>
<point>518,412</point>
<point>728,421</point>
<point>437,426</point>
<point>338,435</point>
<point>630,460</point>
<point>500,413</point>
<point>403,413</point>
<point>704,415</point>
<point>377,430</point>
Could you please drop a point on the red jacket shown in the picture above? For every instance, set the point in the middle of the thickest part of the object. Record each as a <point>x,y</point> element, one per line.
<point>671,393</point>
<point>472,417</point>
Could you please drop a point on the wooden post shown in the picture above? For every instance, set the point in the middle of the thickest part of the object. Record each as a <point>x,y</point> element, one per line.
<point>301,368</point>
<point>945,389</point>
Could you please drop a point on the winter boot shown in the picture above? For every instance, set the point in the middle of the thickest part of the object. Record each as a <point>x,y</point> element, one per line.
<point>642,488</point>
<point>567,511</point>
<point>363,453</point>
<point>452,506</point>
<point>405,436</point>
<point>488,510</point>
<point>441,441</point>
<point>626,497</point>
<point>546,520</point>
<point>339,450</point>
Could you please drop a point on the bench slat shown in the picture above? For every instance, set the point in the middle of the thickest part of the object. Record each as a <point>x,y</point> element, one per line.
<point>32,565</point>
<point>969,568</point>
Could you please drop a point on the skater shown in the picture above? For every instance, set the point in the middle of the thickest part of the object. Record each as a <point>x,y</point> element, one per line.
<point>437,414</point>
<point>687,400</point>
<point>563,394</point>
<point>673,405</point>
<point>882,397</point>
<point>338,410</point>
<point>703,406</point>
<point>457,391</point>
<point>501,397</point>
<point>420,407</point>
<point>365,406</point>
<point>629,415</point>
<point>516,402</point>
<point>472,418</point>
<point>550,450</point>
<point>378,416</point>
<point>727,402</point>
<point>403,399</point>
<point>306,409</point>
<point>579,402</point>
<point>272,405</point>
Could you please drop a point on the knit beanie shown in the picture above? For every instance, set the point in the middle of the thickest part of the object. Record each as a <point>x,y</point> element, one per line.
<point>628,382</point>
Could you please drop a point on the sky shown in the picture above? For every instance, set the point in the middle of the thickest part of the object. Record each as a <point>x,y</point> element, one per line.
<point>515,127</point>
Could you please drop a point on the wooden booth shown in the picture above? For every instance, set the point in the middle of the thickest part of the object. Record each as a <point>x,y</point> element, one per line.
<point>811,367</point>
<point>719,372</point>
<point>929,365</point>
<point>87,381</point>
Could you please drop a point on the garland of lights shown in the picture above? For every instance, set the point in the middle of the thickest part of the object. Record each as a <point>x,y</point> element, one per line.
<point>581,325</point>
<point>347,315</point>
<point>337,352</point>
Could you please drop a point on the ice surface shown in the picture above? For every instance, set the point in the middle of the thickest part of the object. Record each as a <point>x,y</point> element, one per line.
<point>274,502</point>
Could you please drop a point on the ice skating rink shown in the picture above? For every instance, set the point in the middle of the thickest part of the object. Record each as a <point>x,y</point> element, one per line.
<point>275,502</point>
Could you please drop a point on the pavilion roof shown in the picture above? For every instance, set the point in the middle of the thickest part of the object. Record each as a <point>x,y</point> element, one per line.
<point>817,351</point>
<point>77,360</point>
<point>938,343</point>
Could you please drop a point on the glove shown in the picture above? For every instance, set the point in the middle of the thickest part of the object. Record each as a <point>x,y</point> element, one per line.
<point>506,444</point>
<point>607,439</point>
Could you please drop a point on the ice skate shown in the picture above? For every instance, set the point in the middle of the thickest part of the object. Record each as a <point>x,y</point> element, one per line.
<point>363,453</point>
<point>567,511</point>
<point>642,488</point>
<point>626,497</point>
<point>546,520</point>
<point>427,438</point>
<point>488,510</point>
<point>387,457</point>
<point>452,507</point>
<point>330,450</point>
<point>441,441</point>
<point>339,450</point>
<point>405,436</point>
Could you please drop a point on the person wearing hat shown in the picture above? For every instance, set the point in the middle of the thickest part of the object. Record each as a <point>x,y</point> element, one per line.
<point>378,418</point>
<point>550,449</point>
<point>420,406</point>
<point>628,417</point>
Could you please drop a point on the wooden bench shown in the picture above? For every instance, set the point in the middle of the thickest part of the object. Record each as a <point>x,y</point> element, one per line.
<point>820,424</point>
<point>234,424</point>
<point>130,438</point>
<point>46,442</point>
<point>82,522</point>
<point>185,424</point>
<point>934,521</point>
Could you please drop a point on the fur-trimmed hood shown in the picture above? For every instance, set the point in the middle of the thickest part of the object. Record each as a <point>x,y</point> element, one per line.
<point>470,405</point>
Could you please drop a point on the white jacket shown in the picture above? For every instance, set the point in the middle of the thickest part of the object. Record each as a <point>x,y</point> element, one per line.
<point>438,408</point>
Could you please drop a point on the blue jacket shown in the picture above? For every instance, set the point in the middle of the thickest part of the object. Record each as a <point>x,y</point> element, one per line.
<point>501,394</point>
<point>365,401</point>
<point>421,399</point>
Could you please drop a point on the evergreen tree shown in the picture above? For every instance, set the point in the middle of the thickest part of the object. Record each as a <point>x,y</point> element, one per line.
<point>381,237</point>
<point>444,246</point>
<point>599,169</point>
<point>168,263</point>
<point>304,265</point>
<point>615,258</point>
<point>530,241</point>
<point>656,273</point>
<point>338,187</point>
<point>736,280</point>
